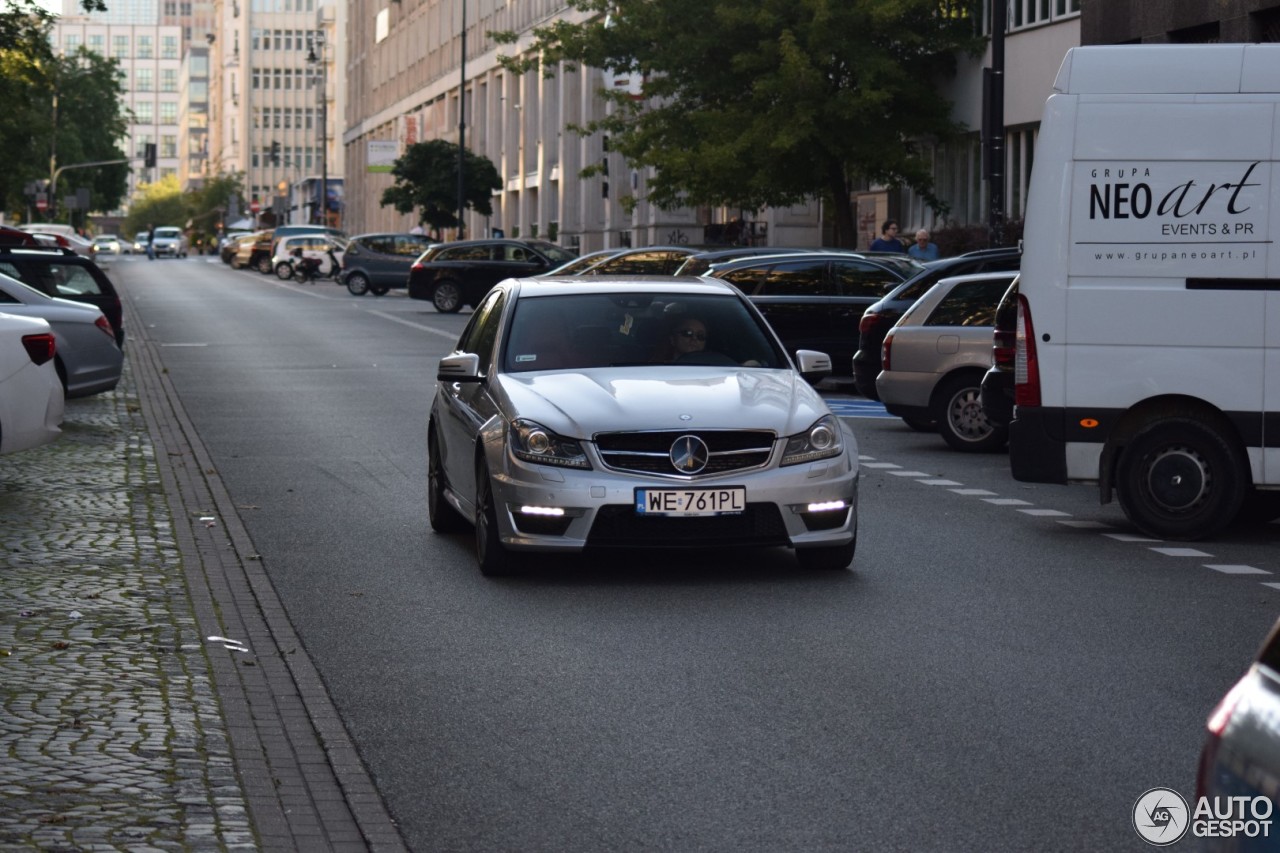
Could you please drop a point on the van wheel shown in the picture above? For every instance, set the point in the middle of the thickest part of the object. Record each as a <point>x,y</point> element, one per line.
<point>1181,479</point>
<point>961,421</point>
<point>447,297</point>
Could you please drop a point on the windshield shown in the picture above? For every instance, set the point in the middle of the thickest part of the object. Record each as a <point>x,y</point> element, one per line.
<point>553,252</point>
<point>168,232</point>
<point>573,332</point>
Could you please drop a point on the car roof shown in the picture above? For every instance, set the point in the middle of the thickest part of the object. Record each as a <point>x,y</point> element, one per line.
<point>564,285</point>
<point>60,253</point>
<point>833,254</point>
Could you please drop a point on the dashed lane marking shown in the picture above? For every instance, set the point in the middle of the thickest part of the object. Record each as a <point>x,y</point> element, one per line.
<point>857,408</point>
<point>1063,518</point>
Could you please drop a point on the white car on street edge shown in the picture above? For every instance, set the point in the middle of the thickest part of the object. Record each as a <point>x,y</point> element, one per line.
<point>31,401</point>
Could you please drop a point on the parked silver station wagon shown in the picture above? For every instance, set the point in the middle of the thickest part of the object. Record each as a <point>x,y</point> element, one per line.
<point>619,412</point>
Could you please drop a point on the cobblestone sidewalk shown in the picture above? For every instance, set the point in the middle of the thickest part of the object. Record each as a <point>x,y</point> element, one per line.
<point>111,735</point>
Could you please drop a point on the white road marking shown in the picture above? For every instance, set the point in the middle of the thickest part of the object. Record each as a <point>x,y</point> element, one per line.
<point>1086,525</point>
<point>972,492</point>
<point>1129,537</point>
<point>1241,570</point>
<point>1044,512</point>
<point>940,483</point>
<point>1181,552</point>
<point>908,473</point>
<point>1006,502</point>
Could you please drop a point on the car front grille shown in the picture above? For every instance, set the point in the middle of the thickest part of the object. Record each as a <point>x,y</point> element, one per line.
<point>650,452</point>
<point>620,526</point>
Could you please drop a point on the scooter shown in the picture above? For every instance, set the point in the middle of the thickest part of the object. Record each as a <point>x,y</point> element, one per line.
<point>306,270</point>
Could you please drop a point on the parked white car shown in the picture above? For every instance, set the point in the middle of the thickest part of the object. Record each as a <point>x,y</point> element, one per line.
<point>31,399</point>
<point>88,360</point>
<point>169,240</point>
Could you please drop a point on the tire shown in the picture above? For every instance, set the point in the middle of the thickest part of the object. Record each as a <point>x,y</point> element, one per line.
<point>264,265</point>
<point>443,517</point>
<point>494,559</point>
<point>921,424</point>
<point>357,283</point>
<point>828,558</point>
<point>380,289</point>
<point>447,296</point>
<point>961,421</point>
<point>300,276</point>
<point>1180,478</point>
<point>284,271</point>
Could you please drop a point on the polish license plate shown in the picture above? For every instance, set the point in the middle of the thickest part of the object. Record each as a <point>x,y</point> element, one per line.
<point>723,501</point>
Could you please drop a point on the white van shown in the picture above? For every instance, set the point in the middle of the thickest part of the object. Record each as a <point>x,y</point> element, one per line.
<point>1148,341</point>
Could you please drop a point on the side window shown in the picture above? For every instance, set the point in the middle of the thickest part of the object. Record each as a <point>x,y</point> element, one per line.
<point>482,331</point>
<point>857,278</point>
<point>6,299</point>
<point>749,279</point>
<point>382,245</point>
<point>76,281</point>
<point>970,303</point>
<point>409,246</point>
<point>515,253</point>
<point>465,253</point>
<point>797,278</point>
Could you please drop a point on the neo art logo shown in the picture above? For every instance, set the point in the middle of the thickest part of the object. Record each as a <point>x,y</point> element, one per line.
<point>1131,197</point>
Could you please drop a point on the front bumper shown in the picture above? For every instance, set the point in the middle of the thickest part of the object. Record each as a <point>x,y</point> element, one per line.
<point>544,508</point>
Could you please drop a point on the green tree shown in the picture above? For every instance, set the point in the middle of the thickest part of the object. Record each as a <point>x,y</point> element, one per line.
<point>159,203</point>
<point>772,102</point>
<point>207,206</point>
<point>426,181</point>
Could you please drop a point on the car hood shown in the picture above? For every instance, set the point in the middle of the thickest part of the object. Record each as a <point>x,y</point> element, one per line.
<point>578,405</point>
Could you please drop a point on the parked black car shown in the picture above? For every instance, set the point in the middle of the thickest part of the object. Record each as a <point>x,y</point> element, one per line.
<point>997,382</point>
<point>814,299</point>
<point>880,317</point>
<point>452,275</point>
<point>650,260</point>
<point>701,262</point>
<point>63,273</point>
<point>379,262</point>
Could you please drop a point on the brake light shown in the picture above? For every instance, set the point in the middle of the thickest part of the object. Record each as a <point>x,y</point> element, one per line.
<point>1216,726</point>
<point>105,325</point>
<point>884,351</point>
<point>868,322</point>
<point>40,347</point>
<point>1026,366</point>
<point>417,265</point>
<point>1004,342</point>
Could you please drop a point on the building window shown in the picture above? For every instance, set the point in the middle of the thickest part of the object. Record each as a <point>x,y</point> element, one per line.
<point>168,47</point>
<point>168,145</point>
<point>96,43</point>
<point>1034,13</point>
<point>168,79</point>
<point>72,43</point>
<point>120,47</point>
<point>142,80</point>
<point>145,48</point>
<point>144,112</point>
<point>168,112</point>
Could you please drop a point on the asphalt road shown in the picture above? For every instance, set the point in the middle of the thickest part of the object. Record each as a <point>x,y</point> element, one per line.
<point>1005,668</point>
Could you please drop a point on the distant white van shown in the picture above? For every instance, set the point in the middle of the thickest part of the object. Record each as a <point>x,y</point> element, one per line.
<point>1148,342</point>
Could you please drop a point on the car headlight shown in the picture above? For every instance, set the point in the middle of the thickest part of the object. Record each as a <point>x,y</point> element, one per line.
<point>533,442</point>
<point>821,441</point>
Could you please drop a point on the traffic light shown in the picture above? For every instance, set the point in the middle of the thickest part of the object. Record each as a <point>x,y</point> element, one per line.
<point>149,155</point>
<point>275,153</point>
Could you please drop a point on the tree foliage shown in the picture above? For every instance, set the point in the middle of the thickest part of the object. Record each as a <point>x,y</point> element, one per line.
<point>88,124</point>
<point>207,206</point>
<point>771,102</point>
<point>426,182</point>
<point>159,203</point>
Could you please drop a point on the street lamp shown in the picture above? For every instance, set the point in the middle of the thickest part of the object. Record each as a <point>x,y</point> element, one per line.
<point>462,124</point>
<point>315,56</point>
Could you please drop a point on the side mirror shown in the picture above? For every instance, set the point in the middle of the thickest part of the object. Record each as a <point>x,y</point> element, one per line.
<point>814,366</point>
<point>459,367</point>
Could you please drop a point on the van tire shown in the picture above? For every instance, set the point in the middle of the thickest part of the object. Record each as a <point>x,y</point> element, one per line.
<point>1181,479</point>
<point>961,421</point>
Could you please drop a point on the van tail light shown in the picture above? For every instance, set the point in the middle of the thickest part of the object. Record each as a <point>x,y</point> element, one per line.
<point>40,347</point>
<point>1026,366</point>
<point>885,350</point>
<point>105,325</point>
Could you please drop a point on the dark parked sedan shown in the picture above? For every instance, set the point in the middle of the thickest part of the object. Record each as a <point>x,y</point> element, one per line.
<point>878,319</point>
<point>650,260</point>
<point>452,275</point>
<point>997,383</point>
<point>378,262</point>
<point>64,274</point>
<point>813,300</point>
